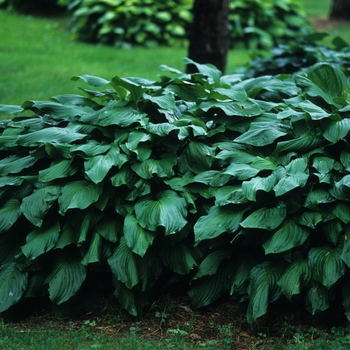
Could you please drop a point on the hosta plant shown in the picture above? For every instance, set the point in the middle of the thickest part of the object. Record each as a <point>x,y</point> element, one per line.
<point>123,23</point>
<point>229,186</point>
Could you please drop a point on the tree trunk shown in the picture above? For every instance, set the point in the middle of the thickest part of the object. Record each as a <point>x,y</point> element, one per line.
<point>209,37</point>
<point>340,10</point>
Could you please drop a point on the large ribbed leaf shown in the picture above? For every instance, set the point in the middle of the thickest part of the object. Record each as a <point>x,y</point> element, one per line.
<point>342,211</point>
<point>219,220</point>
<point>65,279</point>
<point>326,264</point>
<point>263,288</point>
<point>262,134</point>
<point>317,197</point>
<point>41,240</point>
<point>13,283</point>
<point>209,266</point>
<point>287,237</point>
<point>91,80</point>
<point>197,157</point>
<point>164,101</point>
<point>97,167</point>
<point>167,209</point>
<point>14,164</point>
<point>61,169</point>
<point>78,194</point>
<point>251,187</point>
<point>243,264</point>
<point>181,258</point>
<point>230,194</point>
<point>124,265</point>
<point>137,238</point>
<point>317,299</point>
<point>9,213</point>
<point>241,171</point>
<point>162,167</point>
<point>48,135</point>
<point>337,130</point>
<point>109,229</point>
<point>93,253</point>
<point>315,112</point>
<point>35,206</point>
<point>296,277</point>
<point>305,142</point>
<point>266,218</point>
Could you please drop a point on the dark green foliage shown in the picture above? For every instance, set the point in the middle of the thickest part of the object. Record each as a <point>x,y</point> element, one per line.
<point>229,186</point>
<point>264,24</point>
<point>34,6</point>
<point>123,23</point>
<point>303,52</point>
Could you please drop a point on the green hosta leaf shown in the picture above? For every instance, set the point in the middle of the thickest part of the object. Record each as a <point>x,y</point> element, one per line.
<point>65,279</point>
<point>114,114</point>
<point>315,112</point>
<point>332,230</point>
<point>167,210</point>
<point>78,194</point>
<point>132,300</point>
<point>242,109</point>
<point>230,195</point>
<point>345,160</point>
<point>326,264</point>
<point>124,265</point>
<point>305,142</point>
<point>210,288</point>
<point>209,266</point>
<point>243,264</point>
<point>9,213</point>
<point>93,253</point>
<point>219,220</point>
<point>91,80</point>
<point>35,206</point>
<point>310,218</point>
<point>241,171</point>
<point>49,135</point>
<point>326,81</point>
<point>197,157</point>
<point>323,164</point>
<point>10,109</point>
<point>137,238</point>
<point>181,258</point>
<point>235,156</point>
<point>317,299</point>
<point>344,244</point>
<point>296,276</point>
<point>13,283</point>
<point>287,237</point>
<point>262,134</point>
<point>263,164</point>
<point>342,211</point>
<point>89,149</point>
<point>109,229</point>
<point>263,289</point>
<point>136,90</point>
<point>251,187</point>
<point>317,197</point>
<point>266,218</point>
<point>296,176</point>
<point>97,167</point>
<point>164,101</point>
<point>163,167</point>
<point>337,130</point>
<point>124,176</point>
<point>41,240</point>
<point>62,169</point>
<point>208,70</point>
<point>14,164</point>
<point>10,181</point>
<point>341,189</point>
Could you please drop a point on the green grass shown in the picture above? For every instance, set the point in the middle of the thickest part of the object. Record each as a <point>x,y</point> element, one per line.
<point>319,8</point>
<point>38,57</point>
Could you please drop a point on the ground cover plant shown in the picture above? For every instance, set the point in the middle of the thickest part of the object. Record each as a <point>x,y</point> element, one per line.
<point>227,186</point>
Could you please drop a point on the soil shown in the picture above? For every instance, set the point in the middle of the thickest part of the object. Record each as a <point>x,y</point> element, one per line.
<point>174,313</point>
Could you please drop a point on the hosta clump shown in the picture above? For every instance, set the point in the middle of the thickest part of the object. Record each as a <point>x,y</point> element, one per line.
<point>232,186</point>
<point>123,23</point>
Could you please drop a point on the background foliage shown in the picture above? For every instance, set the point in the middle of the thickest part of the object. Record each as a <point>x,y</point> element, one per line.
<point>226,185</point>
<point>121,23</point>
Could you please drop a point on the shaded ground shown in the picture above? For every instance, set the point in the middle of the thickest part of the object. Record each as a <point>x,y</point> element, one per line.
<point>174,315</point>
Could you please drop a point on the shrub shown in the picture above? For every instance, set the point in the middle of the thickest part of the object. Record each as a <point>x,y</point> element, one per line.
<point>230,186</point>
<point>304,52</point>
<point>264,24</point>
<point>134,22</point>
